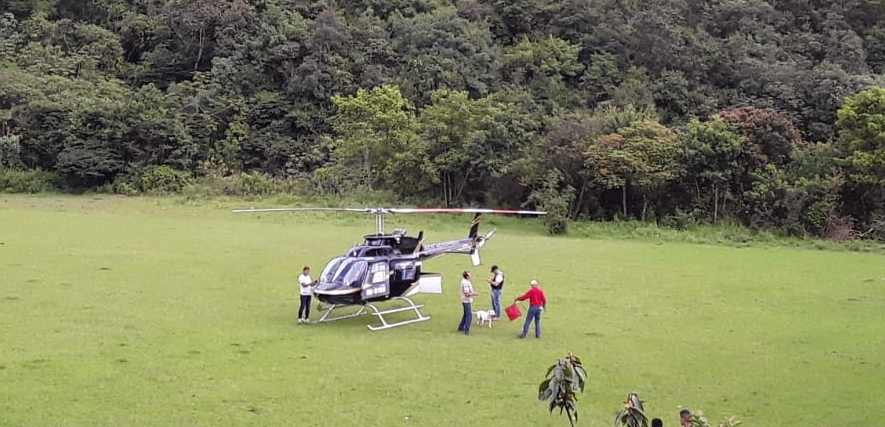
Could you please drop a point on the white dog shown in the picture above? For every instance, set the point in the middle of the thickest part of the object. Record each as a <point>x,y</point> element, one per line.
<point>483,316</point>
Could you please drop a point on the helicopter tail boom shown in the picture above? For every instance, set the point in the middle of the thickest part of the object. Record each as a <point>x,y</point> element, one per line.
<point>460,246</point>
<point>469,246</point>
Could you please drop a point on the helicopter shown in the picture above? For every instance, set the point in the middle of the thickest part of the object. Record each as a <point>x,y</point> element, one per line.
<point>390,266</point>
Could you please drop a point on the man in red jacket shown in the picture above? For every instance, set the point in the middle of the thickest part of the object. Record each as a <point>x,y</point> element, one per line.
<point>537,303</point>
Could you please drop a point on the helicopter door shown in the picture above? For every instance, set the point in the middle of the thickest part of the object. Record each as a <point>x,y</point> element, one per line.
<point>377,283</point>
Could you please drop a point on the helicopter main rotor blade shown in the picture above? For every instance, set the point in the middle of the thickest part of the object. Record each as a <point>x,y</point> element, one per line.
<point>398,210</point>
<point>366,210</point>
<point>465,210</point>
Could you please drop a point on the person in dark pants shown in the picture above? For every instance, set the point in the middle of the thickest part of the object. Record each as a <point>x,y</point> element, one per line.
<point>467,294</point>
<point>497,286</point>
<point>537,303</point>
<point>305,284</point>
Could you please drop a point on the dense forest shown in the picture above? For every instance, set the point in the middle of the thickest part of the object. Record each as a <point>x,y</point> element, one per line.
<point>768,113</point>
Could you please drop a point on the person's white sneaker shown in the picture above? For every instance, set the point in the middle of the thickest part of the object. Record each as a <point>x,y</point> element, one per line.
<point>300,320</point>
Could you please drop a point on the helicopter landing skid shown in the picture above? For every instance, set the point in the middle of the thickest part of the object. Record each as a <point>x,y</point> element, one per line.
<point>375,311</point>
<point>328,310</point>
<point>385,325</point>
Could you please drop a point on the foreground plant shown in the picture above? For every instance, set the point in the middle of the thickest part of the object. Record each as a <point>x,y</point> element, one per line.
<point>731,421</point>
<point>698,419</point>
<point>633,414</point>
<point>564,380</point>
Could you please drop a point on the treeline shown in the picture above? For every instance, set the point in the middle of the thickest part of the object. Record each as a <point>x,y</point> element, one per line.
<point>769,113</point>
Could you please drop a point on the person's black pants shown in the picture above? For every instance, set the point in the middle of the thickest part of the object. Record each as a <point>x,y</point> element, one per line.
<point>305,307</point>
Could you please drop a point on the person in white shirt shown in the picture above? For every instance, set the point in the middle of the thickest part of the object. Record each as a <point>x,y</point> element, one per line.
<point>305,284</point>
<point>467,294</point>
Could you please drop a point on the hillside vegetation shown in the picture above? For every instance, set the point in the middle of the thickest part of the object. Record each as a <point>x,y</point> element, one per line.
<point>766,113</point>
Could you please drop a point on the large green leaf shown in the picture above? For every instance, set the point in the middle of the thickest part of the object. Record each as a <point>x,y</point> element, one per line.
<point>544,385</point>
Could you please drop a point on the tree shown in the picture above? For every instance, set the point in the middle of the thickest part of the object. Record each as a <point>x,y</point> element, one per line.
<point>816,181</point>
<point>553,195</point>
<point>641,155</point>
<point>656,148</point>
<point>372,127</point>
<point>824,92</point>
<point>440,50</point>
<point>861,144</point>
<point>564,380</point>
<point>455,129</point>
<point>194,24</point>
<point>546,66</point>
<point>325,71</point>
<point>678,98</point>
<point>266,54</point>
<point>10,38</point>
<point>514,139</point>
<point>611,164</point>
<point>10,149</point>
<point>563,150</point>
<point>875,46</point>
<point>711,153</point>
<point>65,48</point>
<point>520,17</point>
<point>770,136</point>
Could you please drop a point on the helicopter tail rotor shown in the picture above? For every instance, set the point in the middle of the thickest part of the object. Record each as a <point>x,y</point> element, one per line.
<point>488,236</point>
<point>480,242</point>
<point>474,226</point>
<point>419,246</point>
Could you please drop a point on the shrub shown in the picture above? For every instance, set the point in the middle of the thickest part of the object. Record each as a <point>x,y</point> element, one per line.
<point>29,181</point>
<point>698,419</point>
<point>633,413</point>
<point>152,179</point>
<point>564,380</point>
<point>256,184</point>
<point>556,223</point>
<point>163,179</point>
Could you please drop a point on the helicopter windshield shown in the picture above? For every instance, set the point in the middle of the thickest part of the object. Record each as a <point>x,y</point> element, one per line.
<point>346,271</point>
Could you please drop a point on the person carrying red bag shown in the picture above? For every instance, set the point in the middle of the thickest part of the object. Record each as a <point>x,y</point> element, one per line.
<point>537,303</point>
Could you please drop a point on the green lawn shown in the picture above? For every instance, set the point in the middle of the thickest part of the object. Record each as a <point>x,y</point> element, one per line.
<point>153,312</point>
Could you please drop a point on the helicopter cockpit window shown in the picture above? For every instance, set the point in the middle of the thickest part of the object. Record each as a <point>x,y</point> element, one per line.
<point>332,267</point>
<point>347,271</point>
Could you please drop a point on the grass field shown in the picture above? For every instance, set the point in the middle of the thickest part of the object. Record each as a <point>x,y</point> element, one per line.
<point>152,312</point>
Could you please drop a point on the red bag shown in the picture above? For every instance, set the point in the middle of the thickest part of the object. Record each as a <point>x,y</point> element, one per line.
<point>513,312</point>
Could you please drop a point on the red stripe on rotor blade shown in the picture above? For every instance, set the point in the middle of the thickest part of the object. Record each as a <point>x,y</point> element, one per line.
<point>464,210</point>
